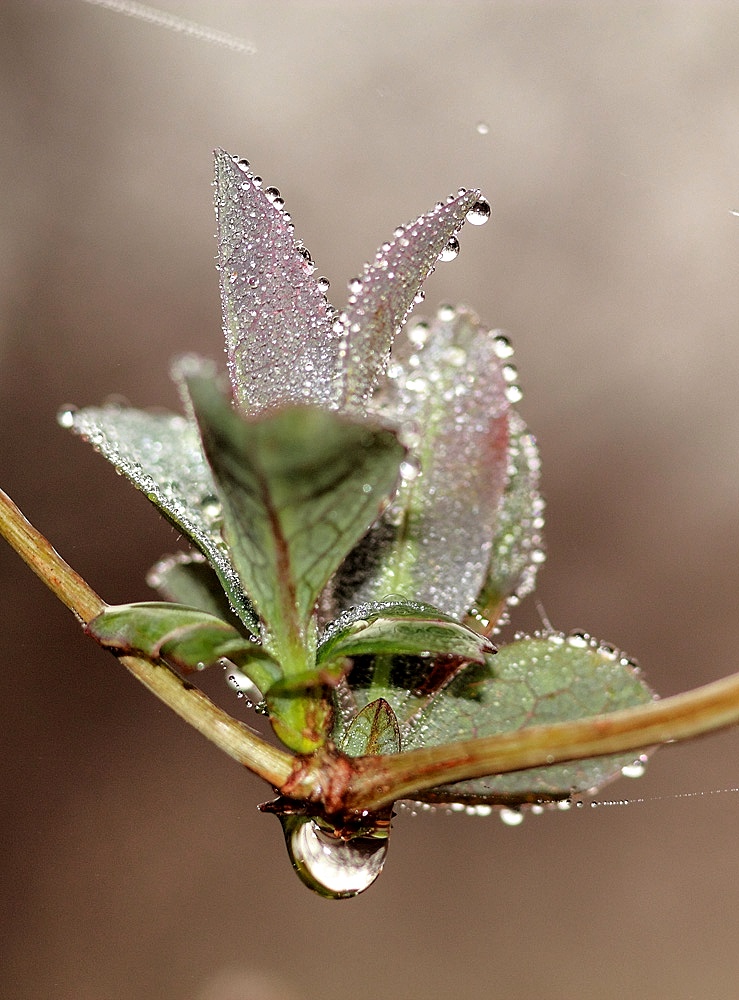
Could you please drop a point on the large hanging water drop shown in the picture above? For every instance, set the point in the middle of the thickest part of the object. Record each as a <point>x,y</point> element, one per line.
<point>327,864</point>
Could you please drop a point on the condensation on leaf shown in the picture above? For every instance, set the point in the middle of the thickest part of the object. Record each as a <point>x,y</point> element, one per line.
<point>280,340</point>
<point>446,391</point>
<point>533,681</point>
<point>385,292</point>
<point>161,454</point>
<point>518,546</point>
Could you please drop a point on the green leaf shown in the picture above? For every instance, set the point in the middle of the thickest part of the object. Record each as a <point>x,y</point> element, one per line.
<point>188,578</point>
<point>530,682</point>
<point>184,637</point>
<point>161,454</point>
<point>374,730</point>
<point>299,487</point>
<point>398,628</point>
<point>433,543</point>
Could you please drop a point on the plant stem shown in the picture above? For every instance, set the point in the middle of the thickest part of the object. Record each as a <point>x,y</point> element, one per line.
<point>188,702</point>
<point>371,783</point>
<point>381,780</point>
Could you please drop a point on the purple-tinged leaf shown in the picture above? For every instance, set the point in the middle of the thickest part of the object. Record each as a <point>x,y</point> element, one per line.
<point>278,324</point>
<point>446,391</point>
<point>383,294</point>
<point>518,546</point>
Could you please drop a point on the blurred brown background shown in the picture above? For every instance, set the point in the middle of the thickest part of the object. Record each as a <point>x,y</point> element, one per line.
<point>135,863</point>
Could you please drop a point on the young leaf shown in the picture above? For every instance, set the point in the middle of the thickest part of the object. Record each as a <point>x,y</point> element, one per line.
<point>433,543</point>
<point>386,289</point>
<point>162,456</point>
<point>398,628</point>
<point>187,578</point>
<point>517,550</point>
<point>278,325</point>
<point>299,487</point>
<point>530,682</point>
<point>185,637</point>
<point>374,730</point>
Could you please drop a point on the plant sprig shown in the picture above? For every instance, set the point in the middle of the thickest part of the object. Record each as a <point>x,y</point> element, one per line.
<point>362,501</point>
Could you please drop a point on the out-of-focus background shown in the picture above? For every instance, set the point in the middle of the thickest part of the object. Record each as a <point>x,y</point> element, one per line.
<point>606,137</point>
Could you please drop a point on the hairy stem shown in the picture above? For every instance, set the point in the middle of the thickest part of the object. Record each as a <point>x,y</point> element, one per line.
<point>188,702</point>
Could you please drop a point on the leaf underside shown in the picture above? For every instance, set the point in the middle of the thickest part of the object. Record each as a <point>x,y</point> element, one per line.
<point>433,543</point>
<point>527,683</point>
<point>280,343</point>
<point>161,454</point>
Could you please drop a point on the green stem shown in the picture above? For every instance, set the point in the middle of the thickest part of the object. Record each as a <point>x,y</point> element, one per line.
<point>234,738</point>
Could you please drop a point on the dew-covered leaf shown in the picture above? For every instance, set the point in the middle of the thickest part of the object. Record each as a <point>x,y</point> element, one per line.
<point>396,628</point>
<point>277,322</point>
<point>188,578</point>
<point>374,730</point>
<point>384,292</point>
<point>517,550</point>
<point>161,454</point>
<point>299,487</point>
<point>185,637</point>
<point>446,390</point>
<point>530,682</point>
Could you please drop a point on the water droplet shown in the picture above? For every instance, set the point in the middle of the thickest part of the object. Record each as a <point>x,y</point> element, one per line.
<point>636,769</point>
<point>446,313</point>
<point>419,297</point>
<point>479,214</point>
<point>240,683</point>
<point>257,181</point>
<point>418,333</point>
<point>323,284</point>
<point>272,193</point>
<point>482,128</point>
<point>211,507</point>
<point>580,640</point>
<point>355,286</point>
<point>513,393</point>
<point>511,817</point>
<point>502,346</point>
<point>451,250</point>
<point>410,467</point>
<point>65,417</point>
<point>330,866</point>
